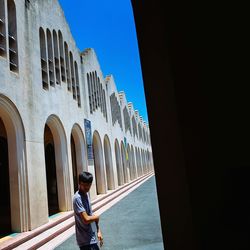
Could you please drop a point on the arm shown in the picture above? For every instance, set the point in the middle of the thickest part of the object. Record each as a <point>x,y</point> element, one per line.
<point>87,219</point>
<point>99,233</point>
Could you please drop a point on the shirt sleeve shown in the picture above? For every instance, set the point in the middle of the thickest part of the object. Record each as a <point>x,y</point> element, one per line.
<point>78,206</point>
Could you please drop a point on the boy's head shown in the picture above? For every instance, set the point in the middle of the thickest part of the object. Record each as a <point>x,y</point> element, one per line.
<point>85,181</point>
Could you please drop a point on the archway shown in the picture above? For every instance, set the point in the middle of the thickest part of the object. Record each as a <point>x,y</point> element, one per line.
<point>140,161</point>
<point>56,163</point>
<point>13,168</point>
<point>51,178</point>
<point>148,160</point>
<point>137,162</point>
<point>78,154</point>
<point>143,162</point>
<point>101,186</point>
<point>108,163</point>
<point>133,162</point>
<point>118,164</point>
<point>129,163</point>
<point>124,163</point>
<point>74,166</point>
<point>5,211</point>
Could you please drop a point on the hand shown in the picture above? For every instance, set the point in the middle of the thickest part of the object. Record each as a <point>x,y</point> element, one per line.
<point>100,238</point>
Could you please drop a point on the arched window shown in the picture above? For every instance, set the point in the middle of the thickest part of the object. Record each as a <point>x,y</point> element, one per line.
<point>43,54</point>
<point>2,29</point>
<point>77,86</point>
<point>105,107</point>
<point>56,57</point>
<point>61,56</point>
<point>66,55</point>
<point>97,90</point>
<point>13,53</point>
<point>102,103</point>
<point>50,59</point>
<point>90,94</point>
<point>72,75</point>
<point>93,90</point>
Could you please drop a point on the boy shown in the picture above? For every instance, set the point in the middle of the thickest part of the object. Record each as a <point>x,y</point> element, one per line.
<point>86,229</point>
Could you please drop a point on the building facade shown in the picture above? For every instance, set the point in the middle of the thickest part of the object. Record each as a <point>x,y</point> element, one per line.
<point>58,116</point>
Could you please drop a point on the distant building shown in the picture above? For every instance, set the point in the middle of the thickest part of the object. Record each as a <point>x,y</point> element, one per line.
<point>58,116</point>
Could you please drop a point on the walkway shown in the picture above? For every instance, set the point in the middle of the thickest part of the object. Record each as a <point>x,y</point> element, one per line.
<point>131,224</point>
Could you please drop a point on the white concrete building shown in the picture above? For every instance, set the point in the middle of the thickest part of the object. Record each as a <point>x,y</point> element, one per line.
<point>58,116</point>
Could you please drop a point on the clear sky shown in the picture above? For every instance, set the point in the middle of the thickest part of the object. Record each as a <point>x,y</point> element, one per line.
<point>108,27</point>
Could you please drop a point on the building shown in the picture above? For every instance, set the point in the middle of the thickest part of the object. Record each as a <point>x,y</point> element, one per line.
<point>58,116</point>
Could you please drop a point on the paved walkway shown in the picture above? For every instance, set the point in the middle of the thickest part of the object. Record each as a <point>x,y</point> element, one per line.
<point>133,223</point>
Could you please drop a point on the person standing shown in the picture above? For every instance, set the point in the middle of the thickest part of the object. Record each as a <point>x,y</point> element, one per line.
<point>86,223</point>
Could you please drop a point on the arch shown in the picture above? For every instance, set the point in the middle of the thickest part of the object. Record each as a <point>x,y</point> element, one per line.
<point>5,215</point>
<point>137,162</point>
<point>149,161</point>
<point>129,163</point>
<point>101,186</point>
<point>78,153</point>
<point>124,163</point>
<point>119,168</point>
<point>61,161</point>
<point>51,178</point>
<point>145,161</point>
<point>18,174</point>
<point>108,163</point>
<point>135,174</point>
<point>142,162</point>
<point>152,160</point>
<point>12,28</point>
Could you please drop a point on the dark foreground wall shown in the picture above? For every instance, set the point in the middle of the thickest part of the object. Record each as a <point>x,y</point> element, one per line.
<point>202,149</point>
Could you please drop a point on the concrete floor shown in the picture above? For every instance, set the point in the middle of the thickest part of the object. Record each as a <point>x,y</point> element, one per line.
<point>133,223</point>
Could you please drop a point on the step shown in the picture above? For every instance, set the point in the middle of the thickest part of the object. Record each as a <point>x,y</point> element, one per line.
<point>62,221</point>
<point>25,236</point>
<point>45,237</point>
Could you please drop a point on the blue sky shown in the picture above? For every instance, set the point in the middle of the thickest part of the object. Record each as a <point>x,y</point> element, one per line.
<point>108,27</point>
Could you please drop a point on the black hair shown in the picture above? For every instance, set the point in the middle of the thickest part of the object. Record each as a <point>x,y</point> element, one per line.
<point>85,177</point>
